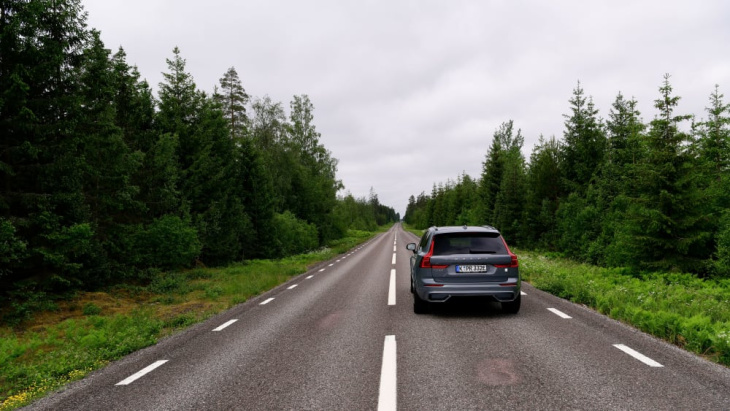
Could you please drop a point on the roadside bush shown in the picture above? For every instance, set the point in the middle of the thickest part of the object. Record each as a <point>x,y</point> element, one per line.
<point>683,309</point>
<point>294,236</point>
<point>12,248</point>
<point>169,242</point>
<point>722,264</point>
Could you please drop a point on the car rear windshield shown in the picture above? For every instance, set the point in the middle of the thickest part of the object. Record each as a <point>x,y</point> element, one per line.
<point>468,243</point>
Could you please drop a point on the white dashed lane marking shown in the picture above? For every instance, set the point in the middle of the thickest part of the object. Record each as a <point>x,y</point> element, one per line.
<point>387,398</point>
<point>141,373</point>
<point>391,288</point>
<point>267,301</point>
<point>224,325</point>
<point>559,313</point>
<point>639,356</point>
<point>292,286</point>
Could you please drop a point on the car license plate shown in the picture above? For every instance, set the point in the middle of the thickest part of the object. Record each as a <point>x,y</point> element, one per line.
<point>471,268</point>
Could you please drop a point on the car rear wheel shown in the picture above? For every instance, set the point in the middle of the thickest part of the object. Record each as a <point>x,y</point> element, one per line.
<point>419,306</point>
<point>512,307</point>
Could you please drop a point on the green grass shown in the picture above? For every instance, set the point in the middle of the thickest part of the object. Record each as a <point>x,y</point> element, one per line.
<point>680,308</point>
<point>73,337</point>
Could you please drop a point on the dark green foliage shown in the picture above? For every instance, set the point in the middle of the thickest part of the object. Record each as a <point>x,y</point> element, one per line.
<point>722,262</point>
<point>361,214</point>
<point>614,193</point>
<point>510,198</point>
<point>233,99</point>
<point>585,143</point>
<point>294,236</point>
<point>12,248</point>
<point>543,191</point>
<point>100,183</point>
<point>168,242</point>
<point>492,170</point>
<point>680,308</point>
<point>666,220</point>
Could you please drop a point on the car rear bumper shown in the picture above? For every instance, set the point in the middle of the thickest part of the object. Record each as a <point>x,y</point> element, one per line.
<point>437,292</point>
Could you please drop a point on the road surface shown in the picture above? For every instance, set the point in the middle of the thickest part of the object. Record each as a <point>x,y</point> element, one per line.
<point>343,336</point>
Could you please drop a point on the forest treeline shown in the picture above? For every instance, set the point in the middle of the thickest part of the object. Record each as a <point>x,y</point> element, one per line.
<point>101,180</point>
<point>614,192</point>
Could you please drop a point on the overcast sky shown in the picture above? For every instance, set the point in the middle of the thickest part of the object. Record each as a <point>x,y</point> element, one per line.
<point>409,93</point>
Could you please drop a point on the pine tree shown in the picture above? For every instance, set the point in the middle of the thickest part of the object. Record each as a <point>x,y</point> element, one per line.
<point>233,100</point>
<point>207,163</point>
<point>315,185</point>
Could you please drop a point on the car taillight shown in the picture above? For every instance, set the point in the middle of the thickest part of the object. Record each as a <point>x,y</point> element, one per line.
<point>513,263</point>
<point>426,261</point>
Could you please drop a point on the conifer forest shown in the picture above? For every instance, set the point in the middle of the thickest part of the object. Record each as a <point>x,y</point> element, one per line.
<point>104,180</point>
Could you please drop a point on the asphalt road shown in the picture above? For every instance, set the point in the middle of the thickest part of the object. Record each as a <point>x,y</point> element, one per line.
<point>338,338</point>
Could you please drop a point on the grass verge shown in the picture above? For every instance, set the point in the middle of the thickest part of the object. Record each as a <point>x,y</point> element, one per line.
<point>682,309</point>
<point>82,334</point>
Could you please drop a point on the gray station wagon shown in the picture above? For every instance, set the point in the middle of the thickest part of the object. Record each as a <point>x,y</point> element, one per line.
<point>463,262</point>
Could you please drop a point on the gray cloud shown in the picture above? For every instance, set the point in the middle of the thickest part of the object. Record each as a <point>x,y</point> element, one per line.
<point>409,93</point>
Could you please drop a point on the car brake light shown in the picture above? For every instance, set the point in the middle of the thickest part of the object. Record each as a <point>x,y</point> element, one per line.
<point>513,263</point>
<point>426,261</point>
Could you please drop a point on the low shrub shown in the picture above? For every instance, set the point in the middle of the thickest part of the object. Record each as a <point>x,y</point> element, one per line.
<point>683,309</point>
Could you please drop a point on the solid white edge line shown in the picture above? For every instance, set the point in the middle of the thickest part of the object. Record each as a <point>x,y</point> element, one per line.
<point>559,313</point>
<point>388,396</point>
<point>292,286</point>
<point>393,262</point>
<point>391,288</point>
<point>267,301</point>
<point>224,325</point>
<point>141,373</point>
<point>639,356</point>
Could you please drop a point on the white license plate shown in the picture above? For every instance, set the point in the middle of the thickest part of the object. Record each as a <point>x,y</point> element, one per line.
<point>471,268</point>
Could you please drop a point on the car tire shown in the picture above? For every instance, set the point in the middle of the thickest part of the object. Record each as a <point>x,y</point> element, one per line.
<point>512,307</point>
<point>419,306</point>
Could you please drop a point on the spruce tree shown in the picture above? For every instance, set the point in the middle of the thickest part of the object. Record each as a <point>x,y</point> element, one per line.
<point>510,199</point>
<point>714,151</point>
<point>584,143</point>
<point>41,55</point>
<point>666,222</point>
<point>543,194</point>
<point>493,168</point>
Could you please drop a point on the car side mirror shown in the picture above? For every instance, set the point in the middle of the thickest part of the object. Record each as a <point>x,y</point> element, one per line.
<point>411,246</point>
